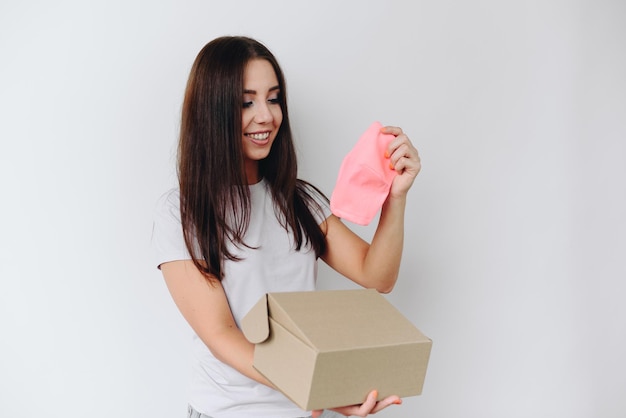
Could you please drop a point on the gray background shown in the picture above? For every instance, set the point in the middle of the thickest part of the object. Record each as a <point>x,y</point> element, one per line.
<point>515,232</point>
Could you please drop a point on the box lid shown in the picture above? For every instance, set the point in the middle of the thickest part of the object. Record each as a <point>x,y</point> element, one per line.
<point>367,319</point>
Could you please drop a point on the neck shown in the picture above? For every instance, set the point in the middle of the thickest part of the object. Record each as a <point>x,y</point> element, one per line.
<point>252,172</point>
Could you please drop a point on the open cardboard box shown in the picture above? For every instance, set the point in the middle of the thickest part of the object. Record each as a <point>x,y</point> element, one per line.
<point>326,349</point>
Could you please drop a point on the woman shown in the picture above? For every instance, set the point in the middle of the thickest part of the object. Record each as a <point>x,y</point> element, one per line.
<point>241,225</point>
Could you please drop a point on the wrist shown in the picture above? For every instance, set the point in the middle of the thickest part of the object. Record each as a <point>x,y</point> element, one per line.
<point>395,200</point>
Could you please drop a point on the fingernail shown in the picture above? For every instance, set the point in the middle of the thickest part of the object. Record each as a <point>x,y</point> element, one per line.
<point>386,154</point>
<point>391,166</point>
<point>398,402</point>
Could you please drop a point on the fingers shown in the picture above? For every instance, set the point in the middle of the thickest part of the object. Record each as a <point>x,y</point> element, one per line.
<point>370,406</point>
<point>400,151</point>
<point>362,410</point>
<point>388,401</point>
<point>393,130</point>
<point>316,413</point>
<point>402,157</point>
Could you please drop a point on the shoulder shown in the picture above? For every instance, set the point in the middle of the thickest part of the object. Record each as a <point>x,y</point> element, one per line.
<point>166,217</point>
<point>167,233</point>
<point>168,204</point>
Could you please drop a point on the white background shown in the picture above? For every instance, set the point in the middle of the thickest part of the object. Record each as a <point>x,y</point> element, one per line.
<point>515,231</point>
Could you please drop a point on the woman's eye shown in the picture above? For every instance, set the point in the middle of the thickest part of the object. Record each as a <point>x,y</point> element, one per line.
<point>275,100</point>
<point>247,104</point>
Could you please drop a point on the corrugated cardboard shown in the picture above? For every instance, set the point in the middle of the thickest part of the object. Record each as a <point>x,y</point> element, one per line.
<point>326,349</point>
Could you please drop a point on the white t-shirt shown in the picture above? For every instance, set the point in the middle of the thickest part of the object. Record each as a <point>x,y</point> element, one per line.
<point>271,264</point>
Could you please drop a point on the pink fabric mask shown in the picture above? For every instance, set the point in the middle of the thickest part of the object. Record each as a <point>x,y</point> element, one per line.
<point>364,178</point>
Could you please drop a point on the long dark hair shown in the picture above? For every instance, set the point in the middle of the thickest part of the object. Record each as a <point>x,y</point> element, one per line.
<point>214,195</point>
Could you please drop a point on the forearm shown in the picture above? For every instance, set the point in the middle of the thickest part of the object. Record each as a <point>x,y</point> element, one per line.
<point>231,347</point>
<point>382,260</point>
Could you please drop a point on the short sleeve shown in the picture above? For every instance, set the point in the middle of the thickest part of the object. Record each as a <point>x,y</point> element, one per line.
<point>168,241</point>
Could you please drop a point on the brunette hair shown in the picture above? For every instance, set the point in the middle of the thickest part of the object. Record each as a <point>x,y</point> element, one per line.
<point>214,195</point>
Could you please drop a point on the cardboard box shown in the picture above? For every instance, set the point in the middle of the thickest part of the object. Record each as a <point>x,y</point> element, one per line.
<point>326,349</point>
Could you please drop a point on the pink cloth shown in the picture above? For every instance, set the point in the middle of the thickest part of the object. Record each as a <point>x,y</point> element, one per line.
<point>364,178</point>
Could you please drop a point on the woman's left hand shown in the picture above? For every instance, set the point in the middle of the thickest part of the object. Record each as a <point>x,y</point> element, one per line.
<point>370,406</point>
<point>404,158</point>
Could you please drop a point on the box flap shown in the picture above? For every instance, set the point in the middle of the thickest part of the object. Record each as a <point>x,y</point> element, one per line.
<point>280,310</point>
<point>367,319</point>
<point>255,325</point>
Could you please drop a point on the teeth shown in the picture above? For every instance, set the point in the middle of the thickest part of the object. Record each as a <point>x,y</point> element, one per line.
<point>259,137</point>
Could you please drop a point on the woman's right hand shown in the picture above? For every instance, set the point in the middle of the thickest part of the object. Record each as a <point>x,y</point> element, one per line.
<point>370,406</point>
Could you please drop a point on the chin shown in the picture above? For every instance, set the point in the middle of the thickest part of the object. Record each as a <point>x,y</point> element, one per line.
<point>257,156</point>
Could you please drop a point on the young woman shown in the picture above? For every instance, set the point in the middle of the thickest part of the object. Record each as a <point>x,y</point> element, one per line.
<point>241,225</point>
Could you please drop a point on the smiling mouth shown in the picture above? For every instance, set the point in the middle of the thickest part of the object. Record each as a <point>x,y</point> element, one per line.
<point>259,138</point>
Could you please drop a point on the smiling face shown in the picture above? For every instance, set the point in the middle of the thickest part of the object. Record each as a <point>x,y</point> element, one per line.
<point>261,115</point>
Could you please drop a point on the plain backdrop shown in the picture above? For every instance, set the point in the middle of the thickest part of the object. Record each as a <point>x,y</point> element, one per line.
<point>514,260</point>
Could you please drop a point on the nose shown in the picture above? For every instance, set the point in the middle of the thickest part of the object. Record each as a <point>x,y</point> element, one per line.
<point>263,114</point>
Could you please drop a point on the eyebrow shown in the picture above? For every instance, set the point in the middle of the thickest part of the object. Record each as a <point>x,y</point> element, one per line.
<point>254,91</point>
